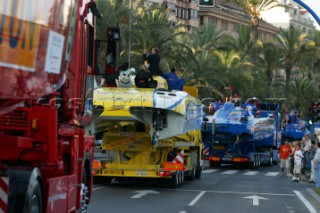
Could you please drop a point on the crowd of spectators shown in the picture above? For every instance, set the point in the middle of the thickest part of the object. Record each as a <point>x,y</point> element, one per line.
<point>301,157</point>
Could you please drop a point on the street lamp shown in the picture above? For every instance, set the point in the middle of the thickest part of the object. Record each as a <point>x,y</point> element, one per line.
<point>129,34</point>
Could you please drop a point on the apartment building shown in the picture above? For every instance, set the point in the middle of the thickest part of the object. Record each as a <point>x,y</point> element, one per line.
<point>226,16</point>
<point>292,15</point>
<point>182,11</point>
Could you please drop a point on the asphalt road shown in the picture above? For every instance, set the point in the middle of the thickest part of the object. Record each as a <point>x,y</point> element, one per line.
<point>225,189</point>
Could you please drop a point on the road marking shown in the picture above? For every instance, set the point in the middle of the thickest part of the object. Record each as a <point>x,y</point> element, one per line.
<point>197,198</point>
<point>251,173</point>
<point>209,170</point>
<point>97,188</point>
<point>255,199</point>
<point>143,193</point>
<point>305,201</point>
<point>230,172</point>
<point>272,174</point>
<point>233,192</point>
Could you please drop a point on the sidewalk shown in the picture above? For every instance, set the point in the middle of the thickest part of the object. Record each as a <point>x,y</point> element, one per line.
<point>310,194</point>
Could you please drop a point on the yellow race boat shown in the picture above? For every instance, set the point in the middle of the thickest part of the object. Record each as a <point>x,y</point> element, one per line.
<point>166,113</point>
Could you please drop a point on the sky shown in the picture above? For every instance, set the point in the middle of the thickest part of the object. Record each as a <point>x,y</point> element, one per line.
<point>315,6</point>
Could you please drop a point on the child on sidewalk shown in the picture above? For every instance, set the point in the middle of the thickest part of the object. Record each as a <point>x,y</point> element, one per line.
<point>297,162</point>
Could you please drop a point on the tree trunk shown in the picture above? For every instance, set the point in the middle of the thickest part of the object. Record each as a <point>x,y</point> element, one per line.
<point>269,79</point>
<point>288,78</point>
<point>255,37</point>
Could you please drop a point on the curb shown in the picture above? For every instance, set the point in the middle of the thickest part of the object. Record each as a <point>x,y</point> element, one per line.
<point>313,198</point>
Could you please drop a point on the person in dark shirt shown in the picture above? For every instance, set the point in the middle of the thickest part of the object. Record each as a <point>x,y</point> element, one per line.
<point>174,83</point>
<point>143,77</point>
<point>114,77</point>
<point>153,61</point>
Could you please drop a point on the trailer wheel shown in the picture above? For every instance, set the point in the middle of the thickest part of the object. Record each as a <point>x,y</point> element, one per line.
<point>258,160</point>
<point>253,164</point>
<point>34,201</point>
<point>270,163</point>
<point>174,182</point>
<point>181,178</point>
<point>198,172</point>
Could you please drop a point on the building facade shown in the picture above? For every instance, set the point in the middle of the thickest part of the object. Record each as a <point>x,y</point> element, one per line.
<point>292,15</point>
<point>182,11</point>
<point>226,16</point>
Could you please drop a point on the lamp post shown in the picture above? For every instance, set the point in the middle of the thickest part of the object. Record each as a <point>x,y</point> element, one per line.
<point>129,35</point>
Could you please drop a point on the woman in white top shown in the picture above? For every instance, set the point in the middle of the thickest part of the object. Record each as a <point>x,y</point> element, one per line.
<point>297,162</point>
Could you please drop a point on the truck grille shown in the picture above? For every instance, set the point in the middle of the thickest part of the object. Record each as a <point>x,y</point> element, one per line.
<point>16,120</point>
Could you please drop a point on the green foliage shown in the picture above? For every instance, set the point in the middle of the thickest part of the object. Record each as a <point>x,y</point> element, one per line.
<point>211,60</point>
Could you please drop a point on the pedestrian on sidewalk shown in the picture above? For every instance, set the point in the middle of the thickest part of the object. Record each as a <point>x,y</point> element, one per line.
<point>298,156</point>
<point>313,151</point>
<point>316,161</point>
<point>306,152</point>
<point>285,152</point>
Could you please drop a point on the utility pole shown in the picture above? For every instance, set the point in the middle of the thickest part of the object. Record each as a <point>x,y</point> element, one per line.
<point>129,35</point>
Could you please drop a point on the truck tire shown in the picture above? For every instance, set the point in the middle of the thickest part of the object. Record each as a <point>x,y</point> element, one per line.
<point>193,174</point>
<point>174,182</point>
<point>84,193</point>
<point>253,164</point>
<point>198,172</point>
<point>34,199</point>
<point>270,163</point>
<point>181,178</point>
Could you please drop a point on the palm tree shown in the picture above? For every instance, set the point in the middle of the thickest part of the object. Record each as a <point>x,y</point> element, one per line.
<point>152,28</point>
<point>243,44</point>
<point>302,91</point>
<point>115,14</point>
<point>232,70</point>
<point>254,9</point>
<point>294,44</point>
<point>201,44</point>
<point>270,60</point>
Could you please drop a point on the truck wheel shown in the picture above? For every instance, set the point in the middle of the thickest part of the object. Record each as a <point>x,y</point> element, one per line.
<point>174,182</point>
<point>198,172</point>
<point>193,174</point>
<point>34,201</point>
<point>181,177</point>
<point>258,161</point>
<point>270,163</point>
<point>252,164</point>
<point>84,193</point>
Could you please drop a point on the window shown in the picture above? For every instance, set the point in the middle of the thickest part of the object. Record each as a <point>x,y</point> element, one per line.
<point>201,20</point>
<point>224,25</point>
<point>179,12</point>
<point>193,13</point>
<point>186,14</point>
<point>234,27</point>
<point>213,21</point>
